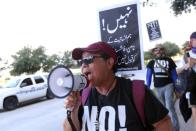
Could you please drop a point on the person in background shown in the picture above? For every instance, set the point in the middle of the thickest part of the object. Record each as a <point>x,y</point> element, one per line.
<point>191,87</point>
<point>109,105</point>
<point>163,70</point>
<point>182,71</point>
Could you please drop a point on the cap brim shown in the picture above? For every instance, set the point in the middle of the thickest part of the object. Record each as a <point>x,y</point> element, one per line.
<point>77,52</point>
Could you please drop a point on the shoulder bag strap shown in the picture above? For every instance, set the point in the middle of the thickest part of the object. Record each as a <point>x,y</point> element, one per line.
<point>138,91</point>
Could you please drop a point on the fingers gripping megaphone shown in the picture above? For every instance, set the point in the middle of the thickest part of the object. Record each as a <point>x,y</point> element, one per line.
<point>62,82</point>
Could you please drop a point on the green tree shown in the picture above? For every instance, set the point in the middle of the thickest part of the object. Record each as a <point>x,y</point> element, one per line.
<point>67,59</point>
<point>38,58</point>
<point>185,45</point>
<point>50,62</point>
<point>28,60</point>
<point>148,55</point>
<point>178,6</point>
<point>21,62</point>
<point>3,64</point>
<point>2,67</point>
<point>171,50</point>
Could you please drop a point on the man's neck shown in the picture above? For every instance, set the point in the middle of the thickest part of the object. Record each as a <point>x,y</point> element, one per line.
<point>107,86</point>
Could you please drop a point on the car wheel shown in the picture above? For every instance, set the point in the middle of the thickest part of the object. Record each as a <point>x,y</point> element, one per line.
<point>49,94</point>
<point>10,103</point>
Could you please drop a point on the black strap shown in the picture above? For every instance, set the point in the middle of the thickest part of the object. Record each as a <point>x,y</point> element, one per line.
<point>138,93</point>
<point>70,120</point>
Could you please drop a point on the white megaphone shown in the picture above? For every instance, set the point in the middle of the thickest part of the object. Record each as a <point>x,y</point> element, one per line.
<point>62,82</point>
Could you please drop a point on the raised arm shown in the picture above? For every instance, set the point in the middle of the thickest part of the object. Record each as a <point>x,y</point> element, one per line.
<point>72,102</point>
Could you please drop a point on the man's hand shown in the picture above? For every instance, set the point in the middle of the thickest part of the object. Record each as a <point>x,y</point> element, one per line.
<point>73,101</point>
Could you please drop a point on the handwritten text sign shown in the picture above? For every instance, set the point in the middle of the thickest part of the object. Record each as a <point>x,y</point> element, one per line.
<point>119,27</point>
<point>153,30</point>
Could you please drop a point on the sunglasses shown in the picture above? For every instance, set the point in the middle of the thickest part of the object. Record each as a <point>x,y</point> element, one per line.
<point>157,49</point>
<point>89,59</point>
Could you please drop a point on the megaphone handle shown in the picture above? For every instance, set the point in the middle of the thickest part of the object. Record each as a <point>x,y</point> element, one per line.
<point>70,120</point>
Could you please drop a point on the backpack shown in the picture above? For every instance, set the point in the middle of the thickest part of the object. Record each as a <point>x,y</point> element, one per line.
<point>138,93</point>
<point>191,83</point>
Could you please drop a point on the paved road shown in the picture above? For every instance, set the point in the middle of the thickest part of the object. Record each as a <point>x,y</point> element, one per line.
<point>45,115</point>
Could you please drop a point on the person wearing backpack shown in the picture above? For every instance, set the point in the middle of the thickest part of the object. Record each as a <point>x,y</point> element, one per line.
<point>110,102</point>
<point>163,70</point>
<point>191,86</point>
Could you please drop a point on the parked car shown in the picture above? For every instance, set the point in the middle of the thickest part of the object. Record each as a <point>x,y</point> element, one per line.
<point>22,89</point>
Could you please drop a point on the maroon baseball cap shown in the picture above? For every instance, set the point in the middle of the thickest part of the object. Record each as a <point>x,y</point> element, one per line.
<point>98,47</point>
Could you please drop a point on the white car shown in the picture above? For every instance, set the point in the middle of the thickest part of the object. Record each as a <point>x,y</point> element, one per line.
<point>24,88</point>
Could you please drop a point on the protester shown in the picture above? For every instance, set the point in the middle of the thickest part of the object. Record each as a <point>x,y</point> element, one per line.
<point>184,64</point>
<point>182,80</point>
<point>109,105</point>
<point>163,70</point>
<point>181,87</point>
<point>191,89</point>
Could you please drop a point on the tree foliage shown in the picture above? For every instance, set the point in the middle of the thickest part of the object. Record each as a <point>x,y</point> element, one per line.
<point>3,64</point>
<point>50,62</point>
<point>1,67</point>
<point>178,6</point>
<point>185,45</point>
<point>28,60</point>
<point>148,55</point>
<point>67,59</point>
<point>171,50</point>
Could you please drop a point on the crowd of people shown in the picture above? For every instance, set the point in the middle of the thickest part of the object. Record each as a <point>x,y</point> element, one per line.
<point>110,100</point>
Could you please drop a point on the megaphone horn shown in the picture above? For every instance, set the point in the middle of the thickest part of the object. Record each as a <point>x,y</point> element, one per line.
<point>62,82</point>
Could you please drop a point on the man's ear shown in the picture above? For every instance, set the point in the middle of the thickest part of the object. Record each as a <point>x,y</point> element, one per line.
<point>110,62</point>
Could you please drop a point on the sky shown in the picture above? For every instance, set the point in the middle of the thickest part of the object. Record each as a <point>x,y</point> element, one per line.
<point>61,25</point>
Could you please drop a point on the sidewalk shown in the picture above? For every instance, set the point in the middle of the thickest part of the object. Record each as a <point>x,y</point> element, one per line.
<point>183,126</point>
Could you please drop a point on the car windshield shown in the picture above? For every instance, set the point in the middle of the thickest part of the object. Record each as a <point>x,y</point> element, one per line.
<point>12,83</point>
